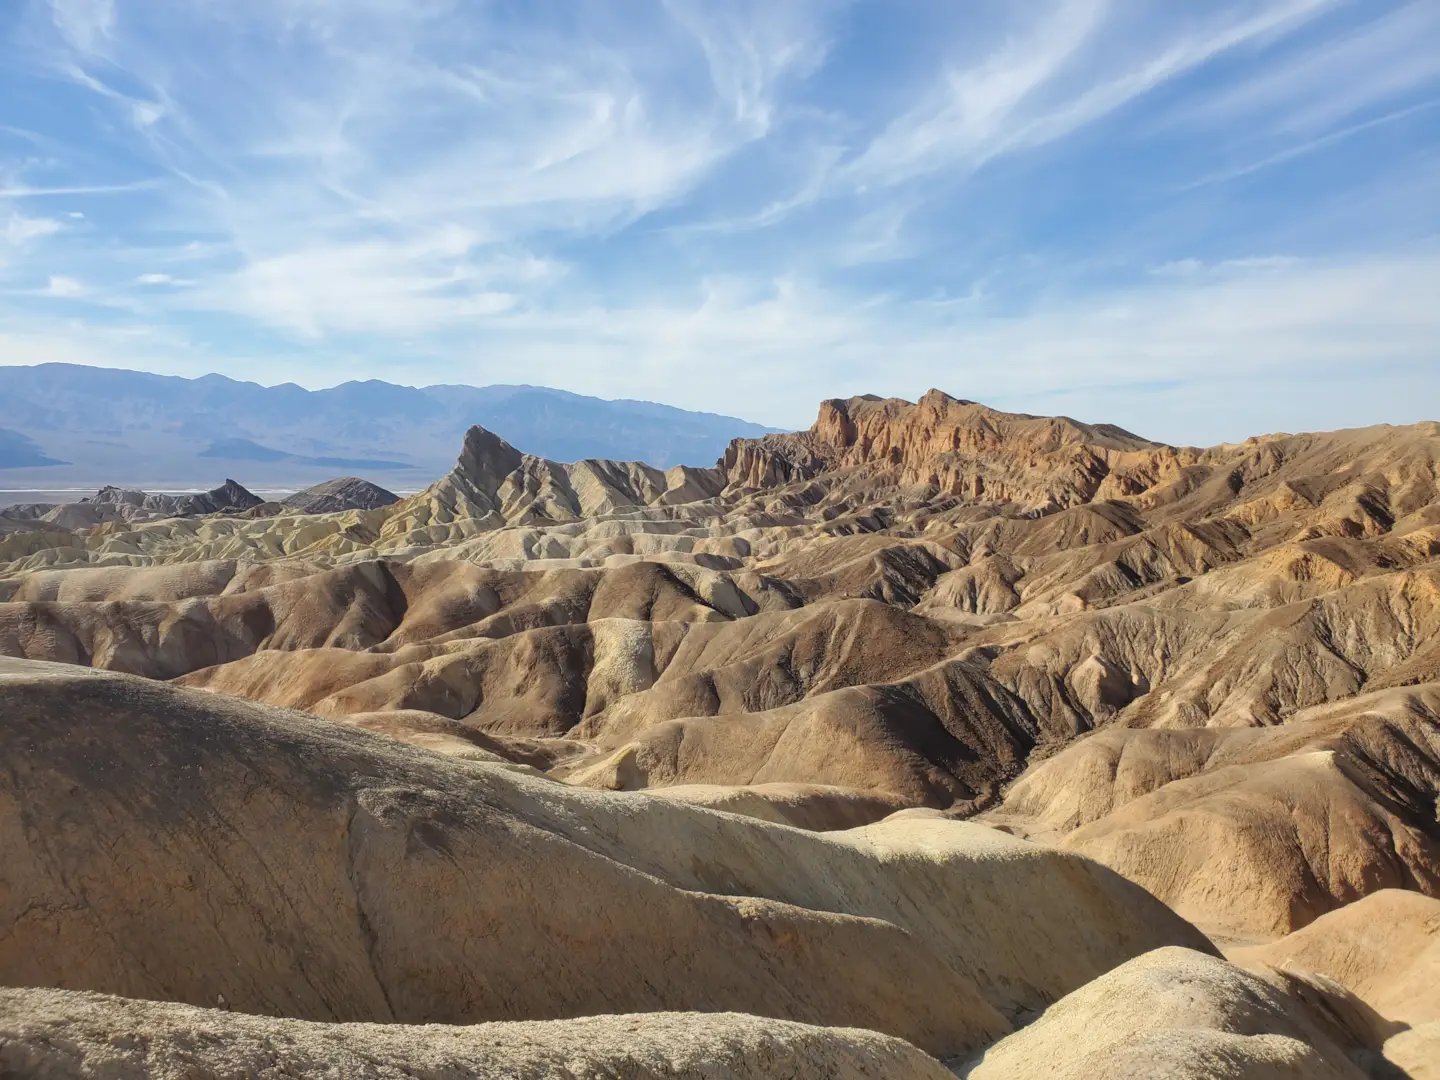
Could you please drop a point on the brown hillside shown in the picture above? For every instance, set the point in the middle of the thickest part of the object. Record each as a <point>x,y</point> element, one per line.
<point>907,604</point>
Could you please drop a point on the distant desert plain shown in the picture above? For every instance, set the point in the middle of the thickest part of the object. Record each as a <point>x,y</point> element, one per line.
<point>931,741</point>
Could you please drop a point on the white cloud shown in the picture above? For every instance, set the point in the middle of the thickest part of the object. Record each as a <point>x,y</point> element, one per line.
<point>1310,146</point>
<point>1178,268</point>
<point>431,283</point>
<point>20,230</point>
<point>1073,64</point>
<point>86,23</point>
<point>33,339</point>
<point>25,191</point>
<point>145,113</point>
<point>331,179</point>
<point>1215,351</point>
<point>67,288</point>
<point>750,47</point>
<point>1332,80</point>
<point>971,112</point>
<point>771,349</point>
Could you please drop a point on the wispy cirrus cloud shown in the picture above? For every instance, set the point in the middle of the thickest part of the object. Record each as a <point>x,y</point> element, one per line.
<point>394,178</point>
<point>972,112</point>
<point>86,24</point>
<point>1072,63</point>
<point>1335,80</point>
<point>751,47</point>
<point>27,191</point>
<point>1319,142</point>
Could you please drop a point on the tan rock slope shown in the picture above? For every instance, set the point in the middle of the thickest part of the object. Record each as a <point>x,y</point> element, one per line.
<point>1384,948</point>
<point>60,1035</point>
<point>905,605</point>
<point>1177,1015</point>
<point>164,843</point>
<point>1254,831</point>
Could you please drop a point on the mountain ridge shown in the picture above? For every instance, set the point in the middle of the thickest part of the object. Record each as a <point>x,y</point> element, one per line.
<point>172,431</point>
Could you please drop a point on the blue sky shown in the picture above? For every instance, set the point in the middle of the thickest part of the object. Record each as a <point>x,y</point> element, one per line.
<point>1199,220</point>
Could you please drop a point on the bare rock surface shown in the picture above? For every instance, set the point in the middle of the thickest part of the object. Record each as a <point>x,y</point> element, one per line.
<point>231,495</point>
<point>1384,948</point>
<point>66,1035</point>
<point>335,496</point>
<point>1253,831</point>
<point>172,844</point>
<point>1178,1015</point>
<point>806,806</point>
<point>1416,1052</point>
<point>928,720</point>
<point>913,601</point>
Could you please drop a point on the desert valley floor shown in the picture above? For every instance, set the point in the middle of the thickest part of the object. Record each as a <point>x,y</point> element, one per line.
<point>931,741</point>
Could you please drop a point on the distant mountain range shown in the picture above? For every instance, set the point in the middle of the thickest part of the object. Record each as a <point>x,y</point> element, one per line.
<point>17,450</point>
<point>245,450</point>
<point>62,423</point>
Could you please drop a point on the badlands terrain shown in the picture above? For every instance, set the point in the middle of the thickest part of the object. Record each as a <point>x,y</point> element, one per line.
<point>931,741</point>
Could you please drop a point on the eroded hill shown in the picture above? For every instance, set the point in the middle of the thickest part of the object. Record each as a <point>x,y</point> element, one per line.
<point>1215,671</point>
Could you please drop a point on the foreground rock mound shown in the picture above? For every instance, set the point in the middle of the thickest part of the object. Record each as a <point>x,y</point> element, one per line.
<point>59,1035</point>
<point>1178,1015</point>
<point>213,848</point>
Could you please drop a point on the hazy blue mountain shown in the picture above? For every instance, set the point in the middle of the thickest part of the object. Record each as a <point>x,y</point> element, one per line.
<point>130,426</point>
<point>17,451</point>
<point>245,450</point>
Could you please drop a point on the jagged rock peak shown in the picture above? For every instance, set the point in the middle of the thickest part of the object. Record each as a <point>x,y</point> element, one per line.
<point>231,495</point>
<point>486,459</point>
<point>494,484</point>
<point>344,493</point>
<point>110,495</point>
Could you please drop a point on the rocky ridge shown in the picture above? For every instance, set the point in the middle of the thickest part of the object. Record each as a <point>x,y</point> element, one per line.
<point>337,496</point>
<point>1213,671</point>
<point>122,504</point>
